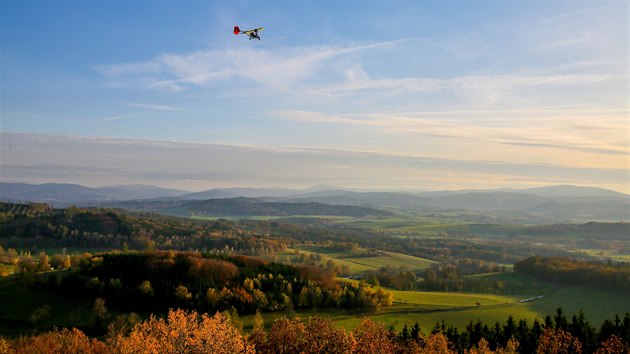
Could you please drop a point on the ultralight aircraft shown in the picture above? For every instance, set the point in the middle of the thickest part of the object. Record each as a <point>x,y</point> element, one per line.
<point>253,34</point>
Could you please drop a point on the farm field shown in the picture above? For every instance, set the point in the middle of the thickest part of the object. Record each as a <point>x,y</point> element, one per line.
<point>356,263</point>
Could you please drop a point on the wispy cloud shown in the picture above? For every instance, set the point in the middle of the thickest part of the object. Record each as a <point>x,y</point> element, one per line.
<point>279,68</point>
<point>481,85</point>
<point>117,117</point>
<point>156,107</point>
<point>567,127</point>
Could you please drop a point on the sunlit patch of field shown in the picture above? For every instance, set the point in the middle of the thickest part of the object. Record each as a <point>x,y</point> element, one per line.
<point>353,259</point>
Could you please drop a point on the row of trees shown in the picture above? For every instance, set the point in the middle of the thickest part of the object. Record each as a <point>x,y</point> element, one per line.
<point>190,332</point>
<point>562,270</point>
<point>440,277</point>
<point>529,336</point>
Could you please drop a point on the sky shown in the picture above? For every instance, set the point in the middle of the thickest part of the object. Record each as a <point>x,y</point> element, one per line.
<point>388,95</point>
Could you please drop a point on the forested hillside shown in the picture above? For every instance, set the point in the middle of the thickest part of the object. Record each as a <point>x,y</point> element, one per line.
<point>568,271</point>
<point>28,225</point>
<point>157,281</point>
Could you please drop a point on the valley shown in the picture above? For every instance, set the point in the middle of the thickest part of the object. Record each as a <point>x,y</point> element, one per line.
<point>435,269</point>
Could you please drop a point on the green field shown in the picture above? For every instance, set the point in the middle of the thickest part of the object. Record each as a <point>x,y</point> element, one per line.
<point>359,264</point>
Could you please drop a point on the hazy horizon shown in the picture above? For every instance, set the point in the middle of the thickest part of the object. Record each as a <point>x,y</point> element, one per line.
<point>404,96</point>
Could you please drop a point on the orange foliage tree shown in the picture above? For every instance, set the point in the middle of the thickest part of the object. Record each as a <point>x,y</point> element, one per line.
<point>323,337</point>
<point>613,345</point>
<point>60,341</point>
<point>182,332</point>
<point>483,347</point>
<point>437,343</point>
<point>284,336</point>
<point>558,341</point>
<point>373,337</point>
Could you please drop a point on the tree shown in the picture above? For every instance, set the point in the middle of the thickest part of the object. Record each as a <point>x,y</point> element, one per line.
<point>43,263</point>
<point>284,336</point>
<point>60,341</point>
<point>613,345</point>
<point>258,321</point>
<point>323,337</point>
<point>558,341</point>
<point>373,337</point>
<point>437,343</point>
<point>182,293</point>
<point>99,313</point>
<point>182,332</point>
<point>145,288</point>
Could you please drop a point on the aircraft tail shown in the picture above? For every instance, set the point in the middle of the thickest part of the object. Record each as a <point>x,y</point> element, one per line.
<point>237,30</point>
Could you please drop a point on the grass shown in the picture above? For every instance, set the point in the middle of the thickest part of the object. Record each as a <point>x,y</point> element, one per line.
<point>359,264</point>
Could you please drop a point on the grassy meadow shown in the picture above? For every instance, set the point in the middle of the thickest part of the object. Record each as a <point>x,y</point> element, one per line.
<point>354,260</point>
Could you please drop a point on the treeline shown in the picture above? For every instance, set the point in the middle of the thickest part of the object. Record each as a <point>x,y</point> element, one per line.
<point>442,277</point>
<point>561,270</point>
<point>454,276</point>
<point>555,334</point>
<point>156,281</point>
<point>190,332</point>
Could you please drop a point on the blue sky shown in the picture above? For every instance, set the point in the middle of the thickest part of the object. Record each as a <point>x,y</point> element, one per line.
<point>357,94</point>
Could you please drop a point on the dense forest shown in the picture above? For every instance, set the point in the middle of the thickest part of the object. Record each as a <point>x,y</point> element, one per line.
<point>38,225</point>
<point>157,281</point>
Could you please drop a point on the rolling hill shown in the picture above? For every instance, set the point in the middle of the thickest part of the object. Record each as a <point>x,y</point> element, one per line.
<point>553,204</point>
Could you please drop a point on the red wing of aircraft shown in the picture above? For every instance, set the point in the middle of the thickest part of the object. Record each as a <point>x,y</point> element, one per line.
<point>253,33</point>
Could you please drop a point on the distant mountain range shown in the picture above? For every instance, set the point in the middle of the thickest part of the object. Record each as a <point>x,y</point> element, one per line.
<point>59,194</point>
<point>247,207</point>
<point>537,205</point>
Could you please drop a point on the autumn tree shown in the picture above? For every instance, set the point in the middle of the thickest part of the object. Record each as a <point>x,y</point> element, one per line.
<point>182,332</point>
<point>613,345</point>
<point>373,337</point>
<point>558,341</point>
<point>284,336</point>
<point>60,341</point>
<point>437,343</point>
<point>182,293</point>
<point>43,262</point>
<point>323,337</point>
<point>145,288</point>
<point>99,313</point>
